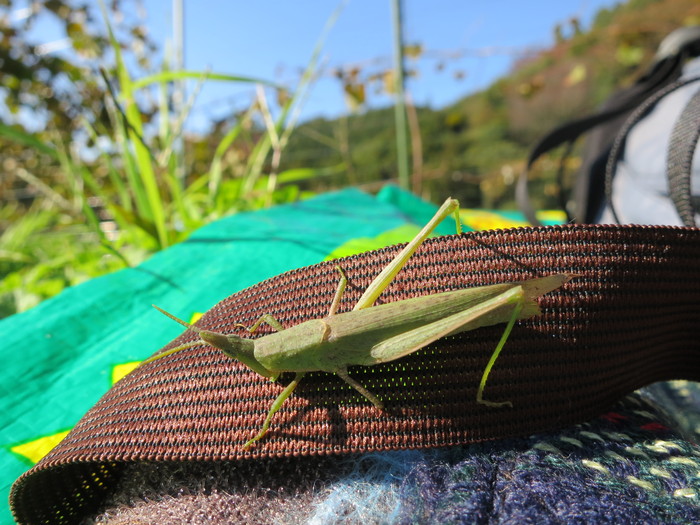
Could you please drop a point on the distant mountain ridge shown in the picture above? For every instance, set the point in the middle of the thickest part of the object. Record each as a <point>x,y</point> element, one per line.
<point>474,148</point>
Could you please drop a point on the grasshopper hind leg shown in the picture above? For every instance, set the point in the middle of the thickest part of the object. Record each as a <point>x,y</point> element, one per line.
<point>480,393</point>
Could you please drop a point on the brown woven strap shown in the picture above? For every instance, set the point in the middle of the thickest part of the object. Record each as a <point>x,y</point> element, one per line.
<point>630,319</point>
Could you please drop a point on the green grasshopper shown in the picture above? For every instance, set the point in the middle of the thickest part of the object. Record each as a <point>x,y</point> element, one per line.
<point>369,335</point>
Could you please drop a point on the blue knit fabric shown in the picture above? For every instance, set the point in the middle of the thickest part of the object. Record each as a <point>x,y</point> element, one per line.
<point>637,463</point>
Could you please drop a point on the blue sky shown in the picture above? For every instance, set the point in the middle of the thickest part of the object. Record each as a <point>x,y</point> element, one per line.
<point>274,39</point>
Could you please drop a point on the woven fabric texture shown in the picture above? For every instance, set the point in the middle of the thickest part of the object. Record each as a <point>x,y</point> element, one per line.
<point>629,319</point>
<point>633,464</point>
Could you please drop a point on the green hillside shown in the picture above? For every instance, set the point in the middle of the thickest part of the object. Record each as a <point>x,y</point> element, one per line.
<point>474,148</point>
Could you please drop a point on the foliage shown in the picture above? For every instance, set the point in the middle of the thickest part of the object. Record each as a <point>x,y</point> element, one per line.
<point>474,148</point>
<point>114,187</point>
<point>45,243</point>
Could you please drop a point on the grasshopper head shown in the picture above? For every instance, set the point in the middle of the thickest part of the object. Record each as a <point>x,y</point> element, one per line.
<point>233,346</point>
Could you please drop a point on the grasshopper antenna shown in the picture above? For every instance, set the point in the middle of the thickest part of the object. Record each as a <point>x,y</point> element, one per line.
<point>177,319</point>
<point>177,348</point>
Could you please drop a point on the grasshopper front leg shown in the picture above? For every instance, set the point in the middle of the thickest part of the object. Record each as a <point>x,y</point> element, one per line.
<point>289,389</point>
<point>265,318</point>
<point>276,405</point>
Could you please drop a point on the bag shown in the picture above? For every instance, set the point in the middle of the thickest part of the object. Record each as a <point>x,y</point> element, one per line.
<point>641,132</point>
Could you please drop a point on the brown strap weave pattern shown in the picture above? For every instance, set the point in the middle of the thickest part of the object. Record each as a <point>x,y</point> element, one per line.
<point>629,319</point>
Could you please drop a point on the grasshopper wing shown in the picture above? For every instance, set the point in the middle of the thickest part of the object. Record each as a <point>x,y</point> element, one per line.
<point>497,310</point>
<point>487,313</point>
